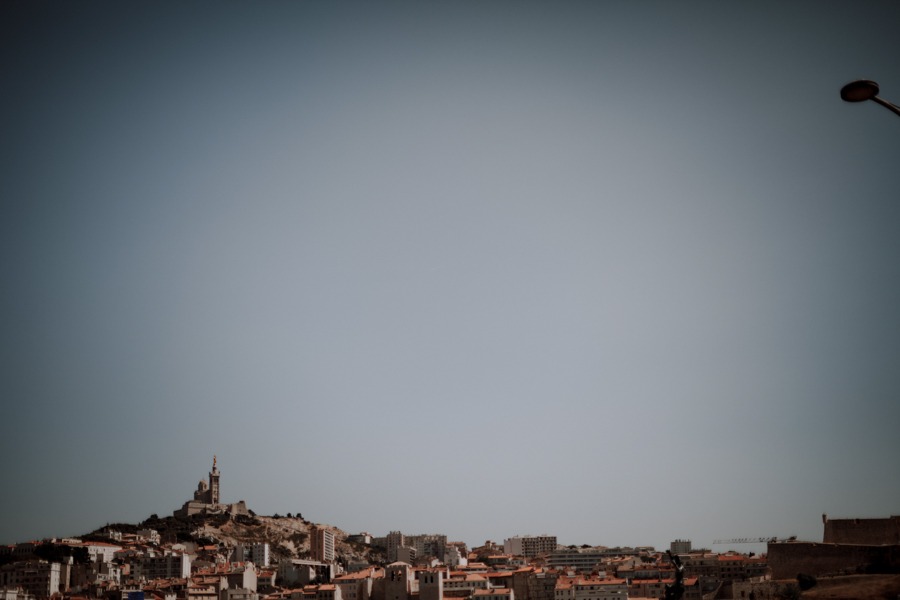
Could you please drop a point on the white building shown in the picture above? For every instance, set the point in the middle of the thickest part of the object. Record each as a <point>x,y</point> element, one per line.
<point>151,535</point>
<point>101,551</point>
<point>453,557</point>
<point>321,544</point>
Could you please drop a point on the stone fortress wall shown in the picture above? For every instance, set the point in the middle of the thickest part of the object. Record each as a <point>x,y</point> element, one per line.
<point>849,546</point>
<point>869,532</point>
<point>788,559</point>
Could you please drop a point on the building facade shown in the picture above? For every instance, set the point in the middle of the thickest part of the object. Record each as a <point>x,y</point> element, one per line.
<point>680,547</point>
<point>36,577</point>
<point>321,544</point>
<point>530,546</point>
<point>394,540</point>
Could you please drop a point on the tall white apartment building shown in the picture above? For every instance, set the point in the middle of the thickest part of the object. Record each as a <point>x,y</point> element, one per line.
<point>321,544</point>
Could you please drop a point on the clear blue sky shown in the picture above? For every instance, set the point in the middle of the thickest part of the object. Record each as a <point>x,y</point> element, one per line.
<point>622,272</point>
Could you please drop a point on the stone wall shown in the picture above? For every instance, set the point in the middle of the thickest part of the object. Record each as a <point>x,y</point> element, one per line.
<point>867,532</point>
<point>787,559</point>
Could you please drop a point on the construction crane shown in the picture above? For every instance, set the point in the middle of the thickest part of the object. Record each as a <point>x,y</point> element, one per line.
<point>755,540</point>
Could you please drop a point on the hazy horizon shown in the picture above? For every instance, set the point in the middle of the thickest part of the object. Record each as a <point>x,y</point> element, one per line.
<point>619,272</point>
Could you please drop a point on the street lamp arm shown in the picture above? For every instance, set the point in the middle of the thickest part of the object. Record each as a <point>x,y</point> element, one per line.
<point>891,107</point>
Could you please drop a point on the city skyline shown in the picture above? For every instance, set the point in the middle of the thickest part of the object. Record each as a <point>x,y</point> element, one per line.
<point>623,273</point>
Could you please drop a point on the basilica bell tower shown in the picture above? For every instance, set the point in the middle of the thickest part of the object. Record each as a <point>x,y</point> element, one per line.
<point>214,483</point>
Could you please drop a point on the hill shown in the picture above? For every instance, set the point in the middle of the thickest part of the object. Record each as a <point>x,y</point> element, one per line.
<point>288,537</point>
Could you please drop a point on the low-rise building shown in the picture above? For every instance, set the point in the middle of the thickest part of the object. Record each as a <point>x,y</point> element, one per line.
<point>656,588</point>
<point>494,594</point>
<point>470,582</point>
<point>303,572</point>
<point>357,585</point>
<point>238,594</point>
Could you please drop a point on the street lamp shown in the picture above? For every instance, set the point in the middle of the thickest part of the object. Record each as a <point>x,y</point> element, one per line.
<point>865,89</point>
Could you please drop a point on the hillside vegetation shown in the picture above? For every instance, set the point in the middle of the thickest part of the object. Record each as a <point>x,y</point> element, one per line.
<point>288,537</point>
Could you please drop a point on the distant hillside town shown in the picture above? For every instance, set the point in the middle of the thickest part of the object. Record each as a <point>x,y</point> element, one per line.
<point>209,550</point>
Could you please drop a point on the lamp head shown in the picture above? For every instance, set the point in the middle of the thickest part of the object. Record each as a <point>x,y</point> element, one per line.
<point>859,90</point>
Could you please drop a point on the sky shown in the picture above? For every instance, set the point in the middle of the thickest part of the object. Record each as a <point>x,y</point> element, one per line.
<point>619,272</point>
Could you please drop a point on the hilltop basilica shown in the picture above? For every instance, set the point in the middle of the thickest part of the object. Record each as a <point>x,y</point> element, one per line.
<point>206,499</point>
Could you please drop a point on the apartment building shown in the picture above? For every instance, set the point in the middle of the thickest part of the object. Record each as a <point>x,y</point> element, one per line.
<point>258,554</point>
<point>36,577</point>
<point>427,544</point>
<point>680,547</point>
<point>321,544</point>
<point>101,551</point>
<point>394,540</point>
<point>162,566</point>
<point>585,560</point>
<point>530,546</point>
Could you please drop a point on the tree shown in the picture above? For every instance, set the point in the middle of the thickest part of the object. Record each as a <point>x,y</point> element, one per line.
<point>805,581</point>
